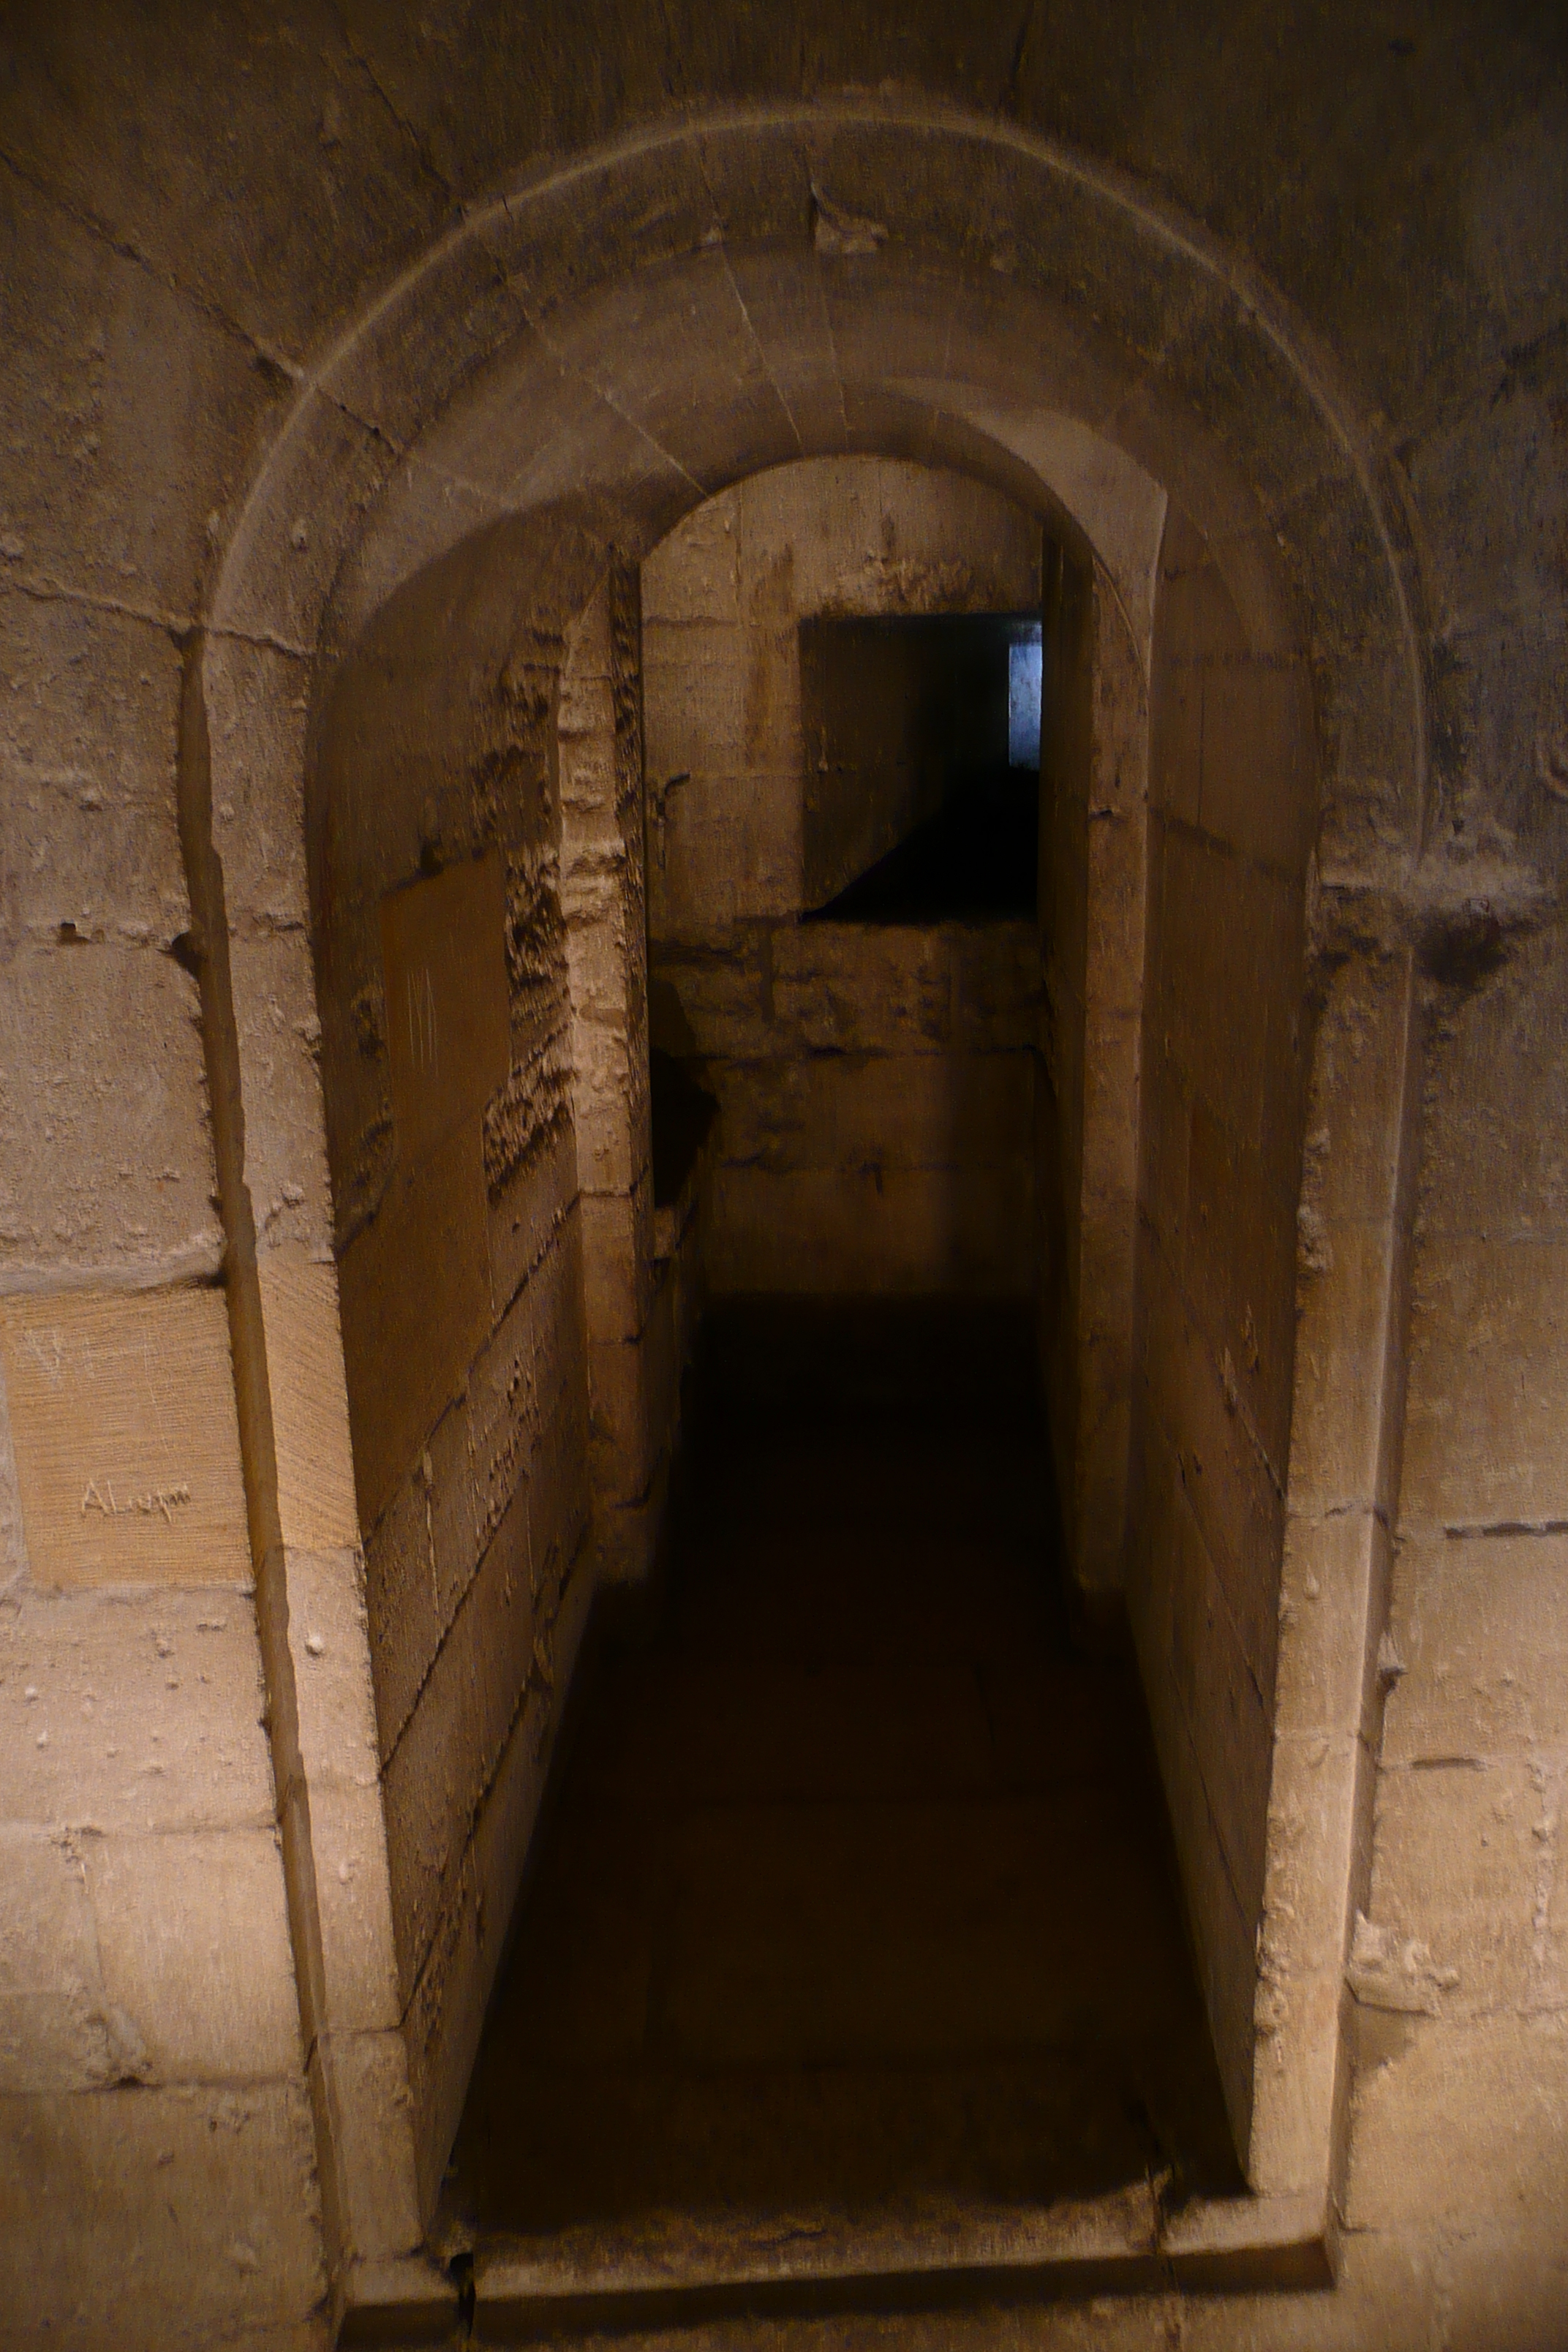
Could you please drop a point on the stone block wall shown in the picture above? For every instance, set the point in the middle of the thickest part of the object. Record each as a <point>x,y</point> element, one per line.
<point>1462,1986</point>
<point>875,1128</point>
<point>150,2029</point>
<point>1341,258</point>
<point>1230,816</point>
<point>633,1357</point>
<point>446,1056</point>
<point>875,1083</point>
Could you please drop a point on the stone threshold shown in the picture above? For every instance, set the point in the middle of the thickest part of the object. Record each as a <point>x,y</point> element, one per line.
<point>671,2270</point>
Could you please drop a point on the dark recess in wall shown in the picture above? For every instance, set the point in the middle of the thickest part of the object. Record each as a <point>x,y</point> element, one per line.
<point>681,1113</point>
<point>912,811</point>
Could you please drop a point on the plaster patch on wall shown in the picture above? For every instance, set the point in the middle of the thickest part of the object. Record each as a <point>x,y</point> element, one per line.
<point>126,1442</point>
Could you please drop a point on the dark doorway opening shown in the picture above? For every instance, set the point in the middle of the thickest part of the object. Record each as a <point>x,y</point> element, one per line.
<point>922,751</point>
<point>680,1117</point>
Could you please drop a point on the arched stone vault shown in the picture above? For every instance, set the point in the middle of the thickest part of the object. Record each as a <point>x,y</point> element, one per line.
<point>561,378</point>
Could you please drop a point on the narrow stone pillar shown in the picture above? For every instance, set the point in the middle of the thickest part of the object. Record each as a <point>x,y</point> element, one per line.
<point>262,1032</point>
<point>1351,1307</point>
<point>631,1354</point>
<point>1092,908</point>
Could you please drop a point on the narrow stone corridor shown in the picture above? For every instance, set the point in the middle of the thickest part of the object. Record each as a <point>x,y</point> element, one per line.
<point>853,1896</point>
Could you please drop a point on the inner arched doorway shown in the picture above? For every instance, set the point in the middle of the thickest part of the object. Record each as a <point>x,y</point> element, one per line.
<point>462,478</point>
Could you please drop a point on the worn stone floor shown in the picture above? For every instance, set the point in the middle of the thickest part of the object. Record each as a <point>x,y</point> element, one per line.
<point>854,1892</point>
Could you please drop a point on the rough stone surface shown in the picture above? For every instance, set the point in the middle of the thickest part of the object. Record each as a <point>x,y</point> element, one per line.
<point>1313,289</point>
<point>139,1710</point>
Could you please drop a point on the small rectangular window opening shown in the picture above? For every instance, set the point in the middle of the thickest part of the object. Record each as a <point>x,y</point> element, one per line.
<point>920,790</point>
<point>1025,664</point>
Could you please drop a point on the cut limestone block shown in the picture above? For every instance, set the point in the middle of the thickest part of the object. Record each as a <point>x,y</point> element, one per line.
<point>135,1710</point>
<point>194,1939</point>
<point>232,2238</point>
<point>127,1444</point>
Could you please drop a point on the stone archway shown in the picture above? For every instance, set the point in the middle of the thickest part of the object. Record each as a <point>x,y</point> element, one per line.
<point>499,425</point>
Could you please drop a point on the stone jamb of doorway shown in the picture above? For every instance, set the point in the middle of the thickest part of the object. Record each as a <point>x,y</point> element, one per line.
<point>267,618</point>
